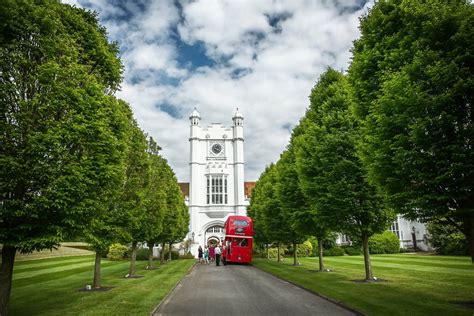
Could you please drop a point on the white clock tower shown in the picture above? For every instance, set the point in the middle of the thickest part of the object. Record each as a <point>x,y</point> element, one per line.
<point>216,187</point>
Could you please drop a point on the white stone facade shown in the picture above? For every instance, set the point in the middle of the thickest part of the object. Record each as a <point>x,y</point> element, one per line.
<point>411,232</point>
<point>216,186</point>
<point>408,232</point>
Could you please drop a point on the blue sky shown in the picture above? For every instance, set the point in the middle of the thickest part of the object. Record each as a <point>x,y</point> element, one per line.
<point>261,56</point>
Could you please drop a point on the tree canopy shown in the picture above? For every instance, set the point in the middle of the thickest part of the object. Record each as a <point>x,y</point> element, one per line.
<point>291,199</point>
<point>73,160</point>
<point>330,172</point>
<point>61,152</point>
<point>412,78</point>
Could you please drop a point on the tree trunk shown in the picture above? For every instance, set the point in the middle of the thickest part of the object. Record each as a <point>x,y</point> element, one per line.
<point>98,257</point>
<point>8,260</point>
<point>278,252</point>
<point>169,252</point>
<point>320,254</point>
<point>151,265</point>
<point>469,228</point>
<point>295,254</point>
<point>133,260</point>
<point>268,252</point>
<point>368,265</point>
<point>162,253</point>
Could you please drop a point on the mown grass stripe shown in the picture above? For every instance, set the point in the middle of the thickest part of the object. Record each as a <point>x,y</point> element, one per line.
<point>423,257</point>
<point>404,266</point>
<point>129,296</point>
<point>424,260</point>
<point>55,275</point>
<point>80,277</point>
<point>444,280</point>
<point>405,258</point>
<point>407,291</point>
<point>35,262</point>
<point>49,265</point>
<point>142,294</point>
<point>28,274</point>
<point>453,264</point>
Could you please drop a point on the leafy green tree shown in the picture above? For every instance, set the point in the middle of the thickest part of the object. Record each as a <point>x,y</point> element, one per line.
<point>291,199</point>
<point>181,214</point>
<point>331,174</point>
<point>256,212</point>
<point>155,198</point>
<point>133,199</point>
<point>106,227</point>
<point>412,76</point>
<point>176,219</point>
<point>59,154</point>
<point>447,240</point>
<point>305,217</point>
<point>266,201</point>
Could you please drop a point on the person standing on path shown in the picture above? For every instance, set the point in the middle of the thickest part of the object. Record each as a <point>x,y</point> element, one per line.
<point>200,252</point>
<point>206,255</point>
<point>212,252</point>
<point>218,255</point>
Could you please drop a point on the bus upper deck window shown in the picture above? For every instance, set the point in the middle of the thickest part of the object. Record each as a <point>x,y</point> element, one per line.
<point>241,223</point>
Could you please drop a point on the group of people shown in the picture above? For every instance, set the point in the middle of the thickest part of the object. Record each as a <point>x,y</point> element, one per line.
<point>210,253</point>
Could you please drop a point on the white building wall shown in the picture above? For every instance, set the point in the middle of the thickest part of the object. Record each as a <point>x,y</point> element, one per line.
<point>407,228</point>
<point>403,229</point>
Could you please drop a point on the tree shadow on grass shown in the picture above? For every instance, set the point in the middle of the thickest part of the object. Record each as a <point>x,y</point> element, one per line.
<point>468,304</point>
<point>370,281</point>
<point>100,289</point>
<point>321,271</point>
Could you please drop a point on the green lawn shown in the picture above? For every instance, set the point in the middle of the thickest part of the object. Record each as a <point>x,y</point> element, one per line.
<point>50,287</point>
<point>416,284</point>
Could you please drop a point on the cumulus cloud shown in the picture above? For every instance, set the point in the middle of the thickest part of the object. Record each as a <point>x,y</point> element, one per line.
<point>261,56</point>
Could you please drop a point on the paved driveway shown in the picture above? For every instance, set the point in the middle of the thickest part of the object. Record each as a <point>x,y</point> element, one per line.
<point>242,290</point>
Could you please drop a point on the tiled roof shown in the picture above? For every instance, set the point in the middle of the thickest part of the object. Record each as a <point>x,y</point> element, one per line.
<point>248,187</point>
<point>184,188</point>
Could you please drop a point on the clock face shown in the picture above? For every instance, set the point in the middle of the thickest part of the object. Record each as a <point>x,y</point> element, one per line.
<point>216,148</point>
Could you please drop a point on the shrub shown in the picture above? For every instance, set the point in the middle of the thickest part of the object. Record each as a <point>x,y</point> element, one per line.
<point>334,251</point>
<point>262,253</point>
<point>352,251</point>
<point>330,241</point>
<point>189,255</point>
<point>314,245</point>
<point>387,242</point>
<point>142,254</point>
<point>447,240</point>
<point>174,255</point>
<point>304,249</point>
<point>273,252</point>
<point>117,252</point>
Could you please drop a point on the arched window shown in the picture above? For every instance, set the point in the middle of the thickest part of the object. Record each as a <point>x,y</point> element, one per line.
<point>215,229</point>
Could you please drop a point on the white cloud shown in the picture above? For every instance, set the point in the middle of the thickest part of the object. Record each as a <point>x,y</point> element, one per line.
<point>266,71</point>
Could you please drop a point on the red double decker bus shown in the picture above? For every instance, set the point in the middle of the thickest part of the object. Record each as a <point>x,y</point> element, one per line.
<point>238,239</point>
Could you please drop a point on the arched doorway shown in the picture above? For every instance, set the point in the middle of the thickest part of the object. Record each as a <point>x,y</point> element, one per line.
<point>213,240</point>
<point>214,235</point>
